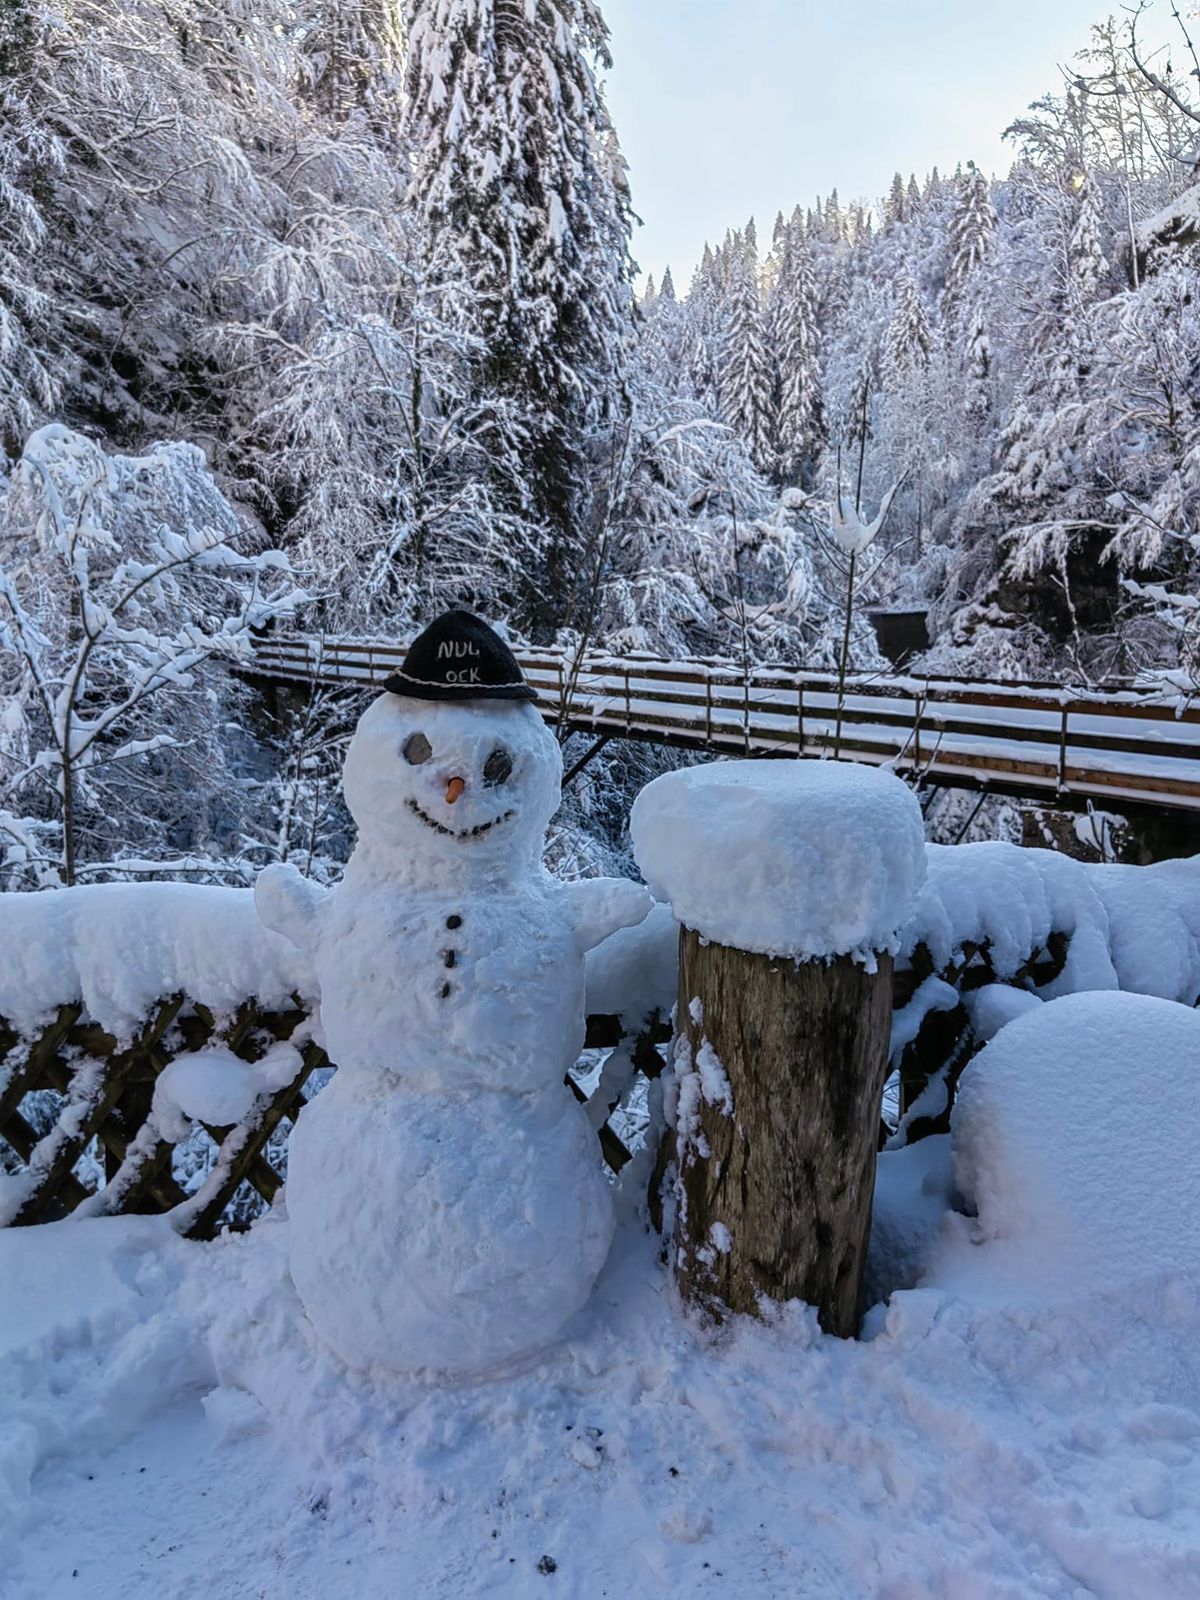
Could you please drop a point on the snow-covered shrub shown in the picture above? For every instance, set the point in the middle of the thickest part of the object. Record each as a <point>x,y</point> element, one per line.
<point>121,586</point>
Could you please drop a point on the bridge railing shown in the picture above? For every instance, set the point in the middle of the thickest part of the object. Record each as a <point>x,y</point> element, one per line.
<point>1115,748</point>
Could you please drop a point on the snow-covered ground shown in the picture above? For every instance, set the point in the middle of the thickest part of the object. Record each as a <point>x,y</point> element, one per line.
<point>1025,1422</point>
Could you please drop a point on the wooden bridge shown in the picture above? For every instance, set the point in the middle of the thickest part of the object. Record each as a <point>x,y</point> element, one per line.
<point>1121,749</point>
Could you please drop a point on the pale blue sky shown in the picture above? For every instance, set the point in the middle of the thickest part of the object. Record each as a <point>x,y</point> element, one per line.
<point>731,107</point>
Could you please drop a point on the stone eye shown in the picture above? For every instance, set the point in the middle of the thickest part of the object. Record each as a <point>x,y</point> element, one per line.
<point>416,749</point>
<point>497,768</point>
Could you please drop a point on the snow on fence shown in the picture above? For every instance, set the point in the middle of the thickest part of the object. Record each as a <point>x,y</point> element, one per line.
<point>998,928</point>
<point>1117,748</point>
<point>142,1022</point>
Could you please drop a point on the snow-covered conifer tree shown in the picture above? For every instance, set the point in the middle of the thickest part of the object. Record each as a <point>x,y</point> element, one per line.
<point>1088,267</point>
<point>896,208</point>
<point>908,339</point>
<point>29,153</point>
<point>971,230</point>
<point>745,367</point>
<point>977,367</point>
<point>800,419</point>
<point>521,197</point>
<point>355,49</point>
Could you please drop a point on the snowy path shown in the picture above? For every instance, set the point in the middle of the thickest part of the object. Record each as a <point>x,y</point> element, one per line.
<point>980,1445</point>
<point>1112,747</point>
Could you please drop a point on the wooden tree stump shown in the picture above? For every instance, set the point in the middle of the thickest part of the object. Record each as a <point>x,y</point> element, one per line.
<point>788,879</point>
<point>776,1175</point>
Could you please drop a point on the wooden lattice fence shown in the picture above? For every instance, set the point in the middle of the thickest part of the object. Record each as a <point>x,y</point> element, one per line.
<point>103,1092</point>
<point>79,1131</point>
<point>106,1090</point>
<point>946,1040</point>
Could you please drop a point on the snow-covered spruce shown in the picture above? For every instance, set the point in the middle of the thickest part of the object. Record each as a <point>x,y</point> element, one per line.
<point>446,1202</point>
<point>793,858</point>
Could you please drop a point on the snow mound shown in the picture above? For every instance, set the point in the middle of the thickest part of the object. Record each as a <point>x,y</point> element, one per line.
<point>996,1005</point>
<point>1154,915</point>
<point>792,858</point>
<point>1075,1136</point>
<point>217,1087</point>
<point>635,971</point>
<point>120,947</point>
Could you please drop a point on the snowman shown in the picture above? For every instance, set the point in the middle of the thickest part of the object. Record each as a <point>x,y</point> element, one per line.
<point>447,1209</point>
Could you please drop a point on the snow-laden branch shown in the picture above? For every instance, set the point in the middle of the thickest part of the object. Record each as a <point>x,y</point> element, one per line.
<point>120,582</point>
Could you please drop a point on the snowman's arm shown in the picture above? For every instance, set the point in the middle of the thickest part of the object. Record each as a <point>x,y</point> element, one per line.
<point>597,907</point>
<point>290,904</point>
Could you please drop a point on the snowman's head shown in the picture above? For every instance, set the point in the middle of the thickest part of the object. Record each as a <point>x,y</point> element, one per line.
<point>455,785</point>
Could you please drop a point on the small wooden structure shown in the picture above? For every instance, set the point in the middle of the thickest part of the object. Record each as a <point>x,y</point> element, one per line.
<point>901,634</point>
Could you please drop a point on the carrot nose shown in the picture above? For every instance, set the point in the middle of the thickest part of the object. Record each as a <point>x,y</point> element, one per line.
<point>453,789</point>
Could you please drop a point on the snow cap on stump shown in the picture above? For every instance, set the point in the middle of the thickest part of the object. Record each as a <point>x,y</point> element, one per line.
<point>806,859</point>
<point>459,657</point>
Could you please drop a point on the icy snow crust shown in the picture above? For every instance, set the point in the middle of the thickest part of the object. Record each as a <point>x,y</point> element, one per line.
<point>1133,928</point>
<point>1139,927</point>
<point>791,858</point>
<point>1012,900</point>
<point>120,947</point>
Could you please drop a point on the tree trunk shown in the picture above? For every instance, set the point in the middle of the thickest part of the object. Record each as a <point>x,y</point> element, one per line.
<point>774,1191</point>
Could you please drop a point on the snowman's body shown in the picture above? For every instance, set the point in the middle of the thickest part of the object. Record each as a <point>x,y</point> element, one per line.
<point>444,1232</point>
<point>509,957</point>
<point>447,1206</point>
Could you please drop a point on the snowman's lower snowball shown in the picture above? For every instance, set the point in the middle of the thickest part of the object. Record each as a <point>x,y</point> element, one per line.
<point>443,1235</point>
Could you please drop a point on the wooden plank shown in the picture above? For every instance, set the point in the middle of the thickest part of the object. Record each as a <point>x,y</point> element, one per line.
<point>87,1106</point>
<point>615,1152</point>
<point>21,1137</point>
<point>27,1075</point>
<point>120,1130</point>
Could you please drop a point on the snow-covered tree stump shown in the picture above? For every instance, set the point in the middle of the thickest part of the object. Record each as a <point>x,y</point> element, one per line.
<point>791,881</point>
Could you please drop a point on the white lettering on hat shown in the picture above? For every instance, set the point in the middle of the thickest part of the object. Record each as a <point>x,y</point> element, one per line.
<point>467,675</point>
<point>456,648</point>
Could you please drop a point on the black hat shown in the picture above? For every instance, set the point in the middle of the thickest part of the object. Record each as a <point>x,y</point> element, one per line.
<point>459,657</point>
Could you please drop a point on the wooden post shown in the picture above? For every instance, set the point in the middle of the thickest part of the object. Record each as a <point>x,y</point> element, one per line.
<point>779,1068</point>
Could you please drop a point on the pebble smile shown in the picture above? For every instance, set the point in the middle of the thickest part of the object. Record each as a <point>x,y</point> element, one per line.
<point>457,833</point>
